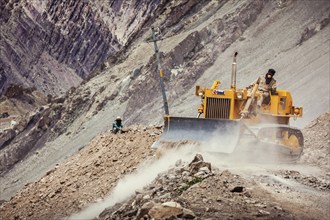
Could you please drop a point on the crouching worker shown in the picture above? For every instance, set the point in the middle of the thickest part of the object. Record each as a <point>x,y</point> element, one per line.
<point>117,126</point>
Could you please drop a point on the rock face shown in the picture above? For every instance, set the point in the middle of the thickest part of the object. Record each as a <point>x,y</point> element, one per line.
<point>317,142</point>
<point>22,129</point>
<point>54,45</point>
<point>36,126</point>
<point>27,135</point>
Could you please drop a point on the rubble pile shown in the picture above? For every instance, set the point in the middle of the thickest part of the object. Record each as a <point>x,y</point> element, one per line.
<point>155,200</point>
<point>317,143</point>
<point>89,175</point>
<point>197,191</point>
<point>321,184</point>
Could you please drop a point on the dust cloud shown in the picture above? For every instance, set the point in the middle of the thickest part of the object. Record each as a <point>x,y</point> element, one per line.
<point>127,186</point>
<point>222,140</point>
<point>243,151</point>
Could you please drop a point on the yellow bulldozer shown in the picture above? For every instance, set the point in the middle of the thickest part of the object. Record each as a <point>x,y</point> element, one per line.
<point>226,116</point>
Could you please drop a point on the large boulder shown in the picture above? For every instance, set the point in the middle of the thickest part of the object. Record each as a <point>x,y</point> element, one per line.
<point>166,210</point>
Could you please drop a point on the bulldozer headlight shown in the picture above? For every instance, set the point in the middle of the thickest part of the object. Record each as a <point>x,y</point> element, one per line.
<point>239,95</point>
<point>200,94</point>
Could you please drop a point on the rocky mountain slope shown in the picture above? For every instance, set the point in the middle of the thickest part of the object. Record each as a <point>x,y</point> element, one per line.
<point>18,101</point>
<point>111,156</point>
<point>120,173</point>
<point>20,109</point>
<point>199,39</point>
<point>317,142</point>
<point>72,29</point>
<point>54,45</point>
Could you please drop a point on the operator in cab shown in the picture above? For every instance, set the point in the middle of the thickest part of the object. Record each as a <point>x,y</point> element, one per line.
<point>269,83</point>
<point>117,125</point>
<point>267,86</point>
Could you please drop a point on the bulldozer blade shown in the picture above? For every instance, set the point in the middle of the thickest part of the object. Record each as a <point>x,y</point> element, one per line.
<point>216,135</point>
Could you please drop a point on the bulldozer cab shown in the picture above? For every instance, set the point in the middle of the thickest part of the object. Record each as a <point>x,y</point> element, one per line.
<point>279,109</point>
<point>281,104</point>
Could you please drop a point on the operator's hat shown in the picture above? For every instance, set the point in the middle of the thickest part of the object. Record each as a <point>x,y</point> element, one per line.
<point>272,71</point>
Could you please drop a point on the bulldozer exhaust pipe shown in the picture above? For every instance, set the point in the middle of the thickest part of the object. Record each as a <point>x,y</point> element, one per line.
<point>233,72</point>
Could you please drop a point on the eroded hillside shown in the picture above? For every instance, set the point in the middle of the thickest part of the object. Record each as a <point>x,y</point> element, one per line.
<point>54,45</point>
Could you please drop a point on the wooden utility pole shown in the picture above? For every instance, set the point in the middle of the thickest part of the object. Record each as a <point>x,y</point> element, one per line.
<point>155,38</point>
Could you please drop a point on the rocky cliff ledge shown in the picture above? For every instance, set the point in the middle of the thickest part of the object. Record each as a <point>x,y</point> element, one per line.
<point>54,45</point>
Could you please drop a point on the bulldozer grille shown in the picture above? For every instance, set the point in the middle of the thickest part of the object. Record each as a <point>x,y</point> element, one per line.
<point>217,108</point>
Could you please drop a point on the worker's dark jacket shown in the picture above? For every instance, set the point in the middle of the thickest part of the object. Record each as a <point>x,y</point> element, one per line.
<point>117,125</point>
